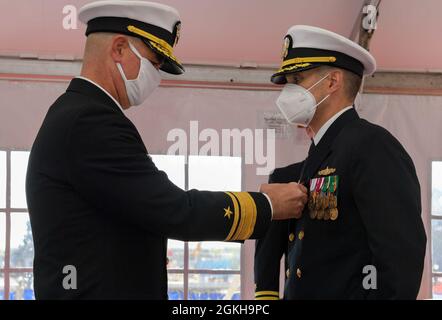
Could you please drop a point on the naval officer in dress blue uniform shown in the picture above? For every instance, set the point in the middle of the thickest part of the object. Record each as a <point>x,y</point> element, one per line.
<point>361,235</point>
<point>96,200</point>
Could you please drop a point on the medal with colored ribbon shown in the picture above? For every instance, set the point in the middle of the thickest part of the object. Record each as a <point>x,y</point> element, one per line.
<point>334,213</point>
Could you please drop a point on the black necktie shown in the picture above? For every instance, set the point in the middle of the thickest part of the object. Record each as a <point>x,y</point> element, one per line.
<point>312,147</point>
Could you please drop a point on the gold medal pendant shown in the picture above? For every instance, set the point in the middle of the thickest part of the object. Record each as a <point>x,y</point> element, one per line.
<point>335,202</point>
<point>313,214</point>
<point>319,194</point>
<point>312,201</point>
<point>320,215</point>
<point>318,204</point>
<point>334,214</point>
<point>326,214</point>
<point>326,203</point>
<point>323,201</point>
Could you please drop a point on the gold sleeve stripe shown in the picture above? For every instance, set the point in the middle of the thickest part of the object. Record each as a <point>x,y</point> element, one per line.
<point>167,47</point>
<point>267,293</point>
<point>245,214</point>
<point>235,216</point>
<point>248,216</point>
<point>250,227</point>
<point>308,60</point>
<point>241,216</point>
<point>267,298</point>
<point>243,209</point>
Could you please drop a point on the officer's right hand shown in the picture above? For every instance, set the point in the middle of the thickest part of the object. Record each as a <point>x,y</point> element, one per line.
<point>288,200</point>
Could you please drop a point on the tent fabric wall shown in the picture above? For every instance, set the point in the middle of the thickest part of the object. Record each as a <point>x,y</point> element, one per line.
<point>414,120</point>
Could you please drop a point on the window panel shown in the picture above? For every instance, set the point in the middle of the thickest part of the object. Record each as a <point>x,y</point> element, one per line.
<point>21,286</point>
<point>174,166</point>
<point>215,173</point>
<point>22,249</point>
<point>225,175</point>
<point>19,165</point>
<point>175,254</point>
<point>2,179</point>
<point>2,286</point>
<point>2,239</point>
<point>436,227</point>
<point>437,288</point>
<point>436,188</point>
<point>175,286</point>
<point>214,256</point>
<point>214,287</point>
<point>436,243</point>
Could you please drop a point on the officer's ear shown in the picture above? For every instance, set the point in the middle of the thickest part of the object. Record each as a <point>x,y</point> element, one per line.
<point>119,44</point>
<point>336,80</point>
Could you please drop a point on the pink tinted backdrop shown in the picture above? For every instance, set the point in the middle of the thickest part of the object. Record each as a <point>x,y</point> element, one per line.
<point>232,31</point>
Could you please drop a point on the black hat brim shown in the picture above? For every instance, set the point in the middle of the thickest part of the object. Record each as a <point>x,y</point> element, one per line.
<point>280,76</point>
<point>170,64</point>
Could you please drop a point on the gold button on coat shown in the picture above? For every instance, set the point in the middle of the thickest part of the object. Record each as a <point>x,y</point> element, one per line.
<point>299,273</point>
<point>301,235</point>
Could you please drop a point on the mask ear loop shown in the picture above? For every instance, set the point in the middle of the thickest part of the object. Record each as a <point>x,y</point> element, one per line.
<point>315,86</point>
<point>135,51</point>
<point>318,82</point>
<point>322,100</point>
<point>310,132</point>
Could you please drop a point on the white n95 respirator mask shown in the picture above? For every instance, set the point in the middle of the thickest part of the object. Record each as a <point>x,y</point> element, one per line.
<point>297,104</point>
<point>147,81</point>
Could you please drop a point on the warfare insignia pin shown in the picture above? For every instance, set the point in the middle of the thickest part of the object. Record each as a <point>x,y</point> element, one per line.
<point>327,171</point>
